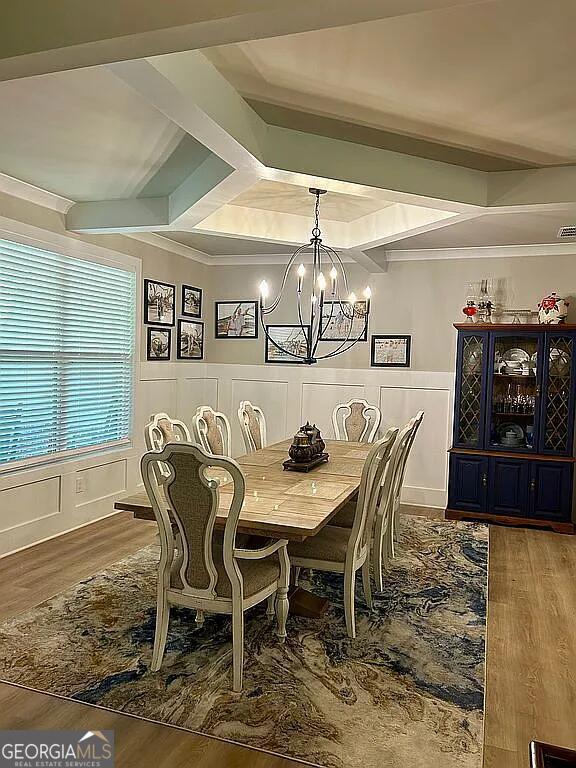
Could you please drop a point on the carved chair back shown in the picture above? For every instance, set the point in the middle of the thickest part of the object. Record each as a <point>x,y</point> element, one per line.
<point>212,430</point>
<point>356,420</point>
<point>253,426</point>
<point>162,429</point>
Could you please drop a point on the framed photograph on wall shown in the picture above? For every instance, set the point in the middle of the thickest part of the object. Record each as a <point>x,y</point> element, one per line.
<point>290,337</point>
<point>190,340</point>
<point>337,321</point>
<point>236,319</point>
<point>158,343</point>
<point>158,303</point>
<point>191,301</point>
<point>391,351</point>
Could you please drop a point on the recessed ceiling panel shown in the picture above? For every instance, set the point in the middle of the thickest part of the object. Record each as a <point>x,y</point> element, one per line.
<point>496,77</point>
<point>290,198</point>
<point>215,245</point>
<point>82,134</point>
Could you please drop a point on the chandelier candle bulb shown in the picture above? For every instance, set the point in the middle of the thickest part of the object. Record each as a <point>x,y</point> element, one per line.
<point>300,272</point>
<point>333,276</point>
<point>352,299</point>
<point>321,282</point>
<point>263,292</point>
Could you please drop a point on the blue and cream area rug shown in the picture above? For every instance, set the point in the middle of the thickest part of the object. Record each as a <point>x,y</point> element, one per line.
<point>406,693</point>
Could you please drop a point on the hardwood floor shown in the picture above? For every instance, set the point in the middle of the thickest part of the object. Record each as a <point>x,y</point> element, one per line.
<point>138,743</point>
<point>531,643</point>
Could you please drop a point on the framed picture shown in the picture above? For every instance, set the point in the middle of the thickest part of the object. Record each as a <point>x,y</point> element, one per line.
<point>158,303</point>
<point>291,337</point>
<point>158,345</point>
<point>236,319</point>
<point>336,323</point>
<point>391,351</point>
<point>191,301</point>
<point>190,340</point>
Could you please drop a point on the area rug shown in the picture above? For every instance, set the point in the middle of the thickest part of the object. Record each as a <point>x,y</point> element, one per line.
<point>407,692</point>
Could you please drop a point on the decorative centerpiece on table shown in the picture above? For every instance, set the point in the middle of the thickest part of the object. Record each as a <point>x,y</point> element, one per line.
<point>307,449</point>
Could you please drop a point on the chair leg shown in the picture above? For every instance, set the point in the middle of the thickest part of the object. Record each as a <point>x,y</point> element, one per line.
<point>349,587</point>
<point>282,604</point>
<point>296,574</point>
<point>377,556</point>
<point>366,582</point>
<point>237,647</point>
<point>199,618</point>
<point>161,633</point>
<point>270,606</point>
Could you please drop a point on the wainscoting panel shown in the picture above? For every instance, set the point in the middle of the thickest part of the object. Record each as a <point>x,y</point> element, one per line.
<point>193,392</point>
<point>97,483</point>
<point>426,472</point>
<point>154,396</point>
<point>319,400</point>
<point>25,504</point>
<point>272,397</point>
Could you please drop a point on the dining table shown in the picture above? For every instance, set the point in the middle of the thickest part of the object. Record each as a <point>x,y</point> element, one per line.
<point>280,503</point>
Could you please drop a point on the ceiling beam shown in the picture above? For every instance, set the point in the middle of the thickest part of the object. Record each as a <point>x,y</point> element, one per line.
<point>37,37</point>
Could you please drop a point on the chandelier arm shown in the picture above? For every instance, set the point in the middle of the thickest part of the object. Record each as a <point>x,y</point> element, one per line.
<point>278,298</point>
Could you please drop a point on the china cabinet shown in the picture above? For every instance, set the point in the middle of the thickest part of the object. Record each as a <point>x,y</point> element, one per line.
<point>512,457</point>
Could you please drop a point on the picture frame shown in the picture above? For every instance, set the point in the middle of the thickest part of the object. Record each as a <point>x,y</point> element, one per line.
<point>191,298</point>
<point>283,334</point>
<point>159,303</point>
<point>158,344</point>
<point>236,319</point>
<point>335,324</point>
<point>190,341</point>
<point>391,351</point>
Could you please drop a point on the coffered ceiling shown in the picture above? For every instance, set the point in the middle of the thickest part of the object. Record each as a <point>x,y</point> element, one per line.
<point>433,124</point>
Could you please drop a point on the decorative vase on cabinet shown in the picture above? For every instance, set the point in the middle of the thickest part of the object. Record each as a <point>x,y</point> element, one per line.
<point>512,458</point>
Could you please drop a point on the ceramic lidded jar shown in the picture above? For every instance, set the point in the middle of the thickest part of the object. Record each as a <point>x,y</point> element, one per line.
<point>552,310</point>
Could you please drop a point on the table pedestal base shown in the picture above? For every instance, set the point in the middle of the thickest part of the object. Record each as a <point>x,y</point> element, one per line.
<point>306,604</point>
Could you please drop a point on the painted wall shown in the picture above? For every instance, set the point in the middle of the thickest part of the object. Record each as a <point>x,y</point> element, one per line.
<point>421,298</point>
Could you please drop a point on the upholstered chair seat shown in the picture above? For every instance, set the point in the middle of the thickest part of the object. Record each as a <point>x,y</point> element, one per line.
<point>330,544</point>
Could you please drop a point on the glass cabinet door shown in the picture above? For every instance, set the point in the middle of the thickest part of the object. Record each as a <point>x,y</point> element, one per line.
<point>513,394</point>
<point>557,401</point>
<point>471,372</point>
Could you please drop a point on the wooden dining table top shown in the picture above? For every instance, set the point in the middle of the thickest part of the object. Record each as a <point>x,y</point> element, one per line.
<point>281,503</point>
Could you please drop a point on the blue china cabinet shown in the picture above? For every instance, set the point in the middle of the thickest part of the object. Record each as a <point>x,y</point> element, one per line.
<point>512,457</point>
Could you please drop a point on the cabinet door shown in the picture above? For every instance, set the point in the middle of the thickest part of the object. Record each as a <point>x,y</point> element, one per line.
<point>513,388</point>
<point>557,399</point>
<point>468,482</point>
<point>469,412</point>
<point>508,482</point>
<point>551,490</point>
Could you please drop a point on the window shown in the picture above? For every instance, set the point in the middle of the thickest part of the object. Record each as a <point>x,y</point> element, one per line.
<point>66,354</point>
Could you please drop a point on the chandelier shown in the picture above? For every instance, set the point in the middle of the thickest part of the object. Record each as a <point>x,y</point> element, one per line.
<point>325,309</point>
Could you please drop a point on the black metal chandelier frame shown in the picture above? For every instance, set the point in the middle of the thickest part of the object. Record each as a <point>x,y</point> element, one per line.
<point>323,257</point>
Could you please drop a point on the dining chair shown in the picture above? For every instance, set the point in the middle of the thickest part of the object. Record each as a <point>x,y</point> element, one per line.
<point>356,420</point>
<point>253,426</point>
<point>162,429</point>
<point>214,574</point>
<point>342,550</point>
<point>385,521</point>
<point>212,430</point>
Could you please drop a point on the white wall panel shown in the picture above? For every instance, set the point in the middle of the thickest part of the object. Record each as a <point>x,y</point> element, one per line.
<point>193,392</point>
<point>96,483</point>
<point>28,503</point>
<point>426,472</point>
<point>154,396</point>
<point>319,400</point>
<point>272,397</point>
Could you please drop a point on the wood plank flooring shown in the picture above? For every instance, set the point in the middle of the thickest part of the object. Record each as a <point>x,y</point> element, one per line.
<point>138,743</point>
<point>531,640</point>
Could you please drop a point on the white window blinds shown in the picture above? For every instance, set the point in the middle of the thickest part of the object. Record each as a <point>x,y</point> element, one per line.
<point>66,354</point>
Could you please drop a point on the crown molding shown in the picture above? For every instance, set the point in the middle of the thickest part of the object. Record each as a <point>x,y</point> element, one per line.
<point>483,252</point>
<point>25,191</point>
<point>166,244</point>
